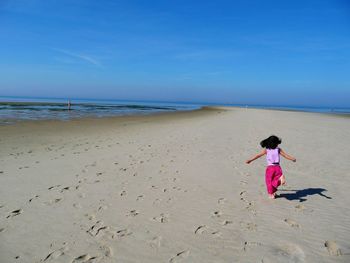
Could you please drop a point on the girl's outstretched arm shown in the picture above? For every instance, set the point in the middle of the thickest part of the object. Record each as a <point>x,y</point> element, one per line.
<point>285,155</point>
<point>256,157</point>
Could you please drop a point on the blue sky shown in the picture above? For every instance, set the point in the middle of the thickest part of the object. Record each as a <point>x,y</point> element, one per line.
<point>250,52</point>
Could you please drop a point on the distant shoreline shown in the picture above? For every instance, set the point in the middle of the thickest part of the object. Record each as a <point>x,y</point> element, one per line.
<point>17,110</point>
<point>149,116</point>
<point>78,101</point>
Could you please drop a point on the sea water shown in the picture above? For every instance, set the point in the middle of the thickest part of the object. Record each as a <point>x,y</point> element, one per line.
<point>13,109</point>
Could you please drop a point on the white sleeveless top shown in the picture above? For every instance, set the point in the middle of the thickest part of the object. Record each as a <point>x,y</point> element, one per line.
<point>273,156</point>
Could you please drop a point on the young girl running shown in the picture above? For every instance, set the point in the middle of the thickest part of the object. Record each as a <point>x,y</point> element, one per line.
<point>273,176</point>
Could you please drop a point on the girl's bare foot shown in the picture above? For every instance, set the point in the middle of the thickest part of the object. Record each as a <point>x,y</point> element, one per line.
<point>272,196</point>
<point>283,180</point>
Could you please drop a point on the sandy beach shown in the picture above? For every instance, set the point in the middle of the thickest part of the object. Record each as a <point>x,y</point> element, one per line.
<point>174,188</point>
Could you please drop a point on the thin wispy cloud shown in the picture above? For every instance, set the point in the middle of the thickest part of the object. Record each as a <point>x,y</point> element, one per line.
<point>79,56</point>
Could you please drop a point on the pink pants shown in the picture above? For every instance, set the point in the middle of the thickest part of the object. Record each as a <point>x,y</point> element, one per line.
<point>272,178</point>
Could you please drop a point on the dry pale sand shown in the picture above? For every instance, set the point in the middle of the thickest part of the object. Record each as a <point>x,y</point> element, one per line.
<point>174,188</point>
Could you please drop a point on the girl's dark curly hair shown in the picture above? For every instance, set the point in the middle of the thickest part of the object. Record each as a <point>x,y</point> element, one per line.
<point>271,143</point>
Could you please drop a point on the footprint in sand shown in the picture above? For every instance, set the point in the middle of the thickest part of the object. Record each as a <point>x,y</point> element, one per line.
<point>249,226</point>
<point>54,186</point>
<point>55,254</point>
<point>250,245</point>
<point>86,258</point>
<point>250,207</point>
<point>292,223</point>
<point>15,213</point>
<point>102,207</point>
<point>106,251</point>
<point>31,199</point>
<point>293,252</point>
<point>24,167</point>
<point>200,229</point>
<point>216,214</point>
<point>227,222</point>
<point>216,233</point>
<point>286,253</point>
<point>132,213</point>
<point>96,228</point>
<point>54,201</point>
<point>77,206</point>
<point>65,189</point>
<point>155,242</point>
<point>222,200</point>
<point>243,193</point>
<point>140,197</point>
<point>122,233</point>
<point>300,207</point>
<point>112,233</point>
<point>162,218</point>
<point>180,256</point>
<point>157,201</point>
<point>170,200</point>
<point>243,183</point>
<point>332,248</point>
<point>90,216</point>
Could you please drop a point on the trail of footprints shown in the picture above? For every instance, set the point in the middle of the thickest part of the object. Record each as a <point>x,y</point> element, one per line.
<point>287,252</point>
<point>98,229</point>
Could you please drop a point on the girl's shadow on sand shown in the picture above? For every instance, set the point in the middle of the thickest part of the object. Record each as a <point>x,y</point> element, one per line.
<point>302,194</point>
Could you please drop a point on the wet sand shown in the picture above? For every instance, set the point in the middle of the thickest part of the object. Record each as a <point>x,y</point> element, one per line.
<point>174,188</point>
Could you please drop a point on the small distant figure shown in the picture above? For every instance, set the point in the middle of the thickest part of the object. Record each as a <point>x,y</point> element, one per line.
<point>69,105</point>
<point>273,176</point>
